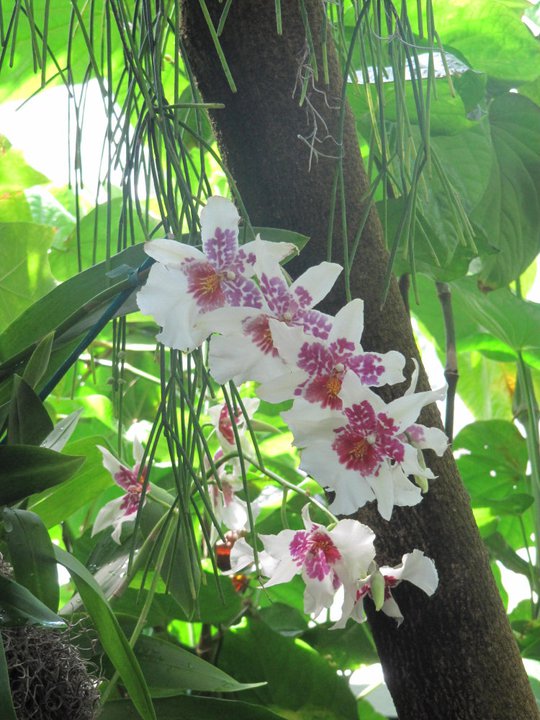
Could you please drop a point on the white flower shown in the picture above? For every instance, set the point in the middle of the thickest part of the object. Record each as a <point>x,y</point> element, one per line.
<point>185,283</point>
<point>245,349</point>
<point>415,568</point>
<point>316,367</point>
<point>361,452</point>
<point>123,509</point>
<point>326,559</point>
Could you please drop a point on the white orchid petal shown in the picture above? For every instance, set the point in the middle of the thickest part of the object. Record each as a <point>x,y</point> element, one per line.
<point>218,213</point>
<point>110,463</point>
<point>108,515</point>
<point>172,253</point>
<point>318,281</point>
<point>349,322</point>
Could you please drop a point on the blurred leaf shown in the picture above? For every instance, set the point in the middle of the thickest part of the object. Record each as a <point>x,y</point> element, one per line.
<point>510,210</point>
<point>284,619</point>
<point>56,504</point>
<point>19,607</point>
<point>15,173</point>
<point>112,638</point>
<point>491,36</point>
<point>6,702</point>
<point>347,648</point>
<point>169,668</point>
<point>32,555</point>
<point>39,361</point>
<point>46,210</point>
<point>182,707</point>
<point>28,421</point>
<point>25,469</point>
<point>299,679</point>
<point>25,275</point>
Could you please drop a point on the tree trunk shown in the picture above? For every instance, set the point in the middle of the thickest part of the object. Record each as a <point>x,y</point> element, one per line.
<point>454,656</point>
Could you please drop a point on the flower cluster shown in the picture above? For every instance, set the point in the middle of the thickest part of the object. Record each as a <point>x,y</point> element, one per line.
<point>266,329</point>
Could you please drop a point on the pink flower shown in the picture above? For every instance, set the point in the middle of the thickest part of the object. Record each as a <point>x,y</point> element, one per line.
<point>245,349</point>
<point>326,559</point>
<point>415,568</point>
<point>316,367</point>
<point>186,284</point>
<point>361,452</point>
<point>123,509</point>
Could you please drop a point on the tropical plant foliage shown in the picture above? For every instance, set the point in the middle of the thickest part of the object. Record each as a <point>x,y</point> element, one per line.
<point>446,98</point>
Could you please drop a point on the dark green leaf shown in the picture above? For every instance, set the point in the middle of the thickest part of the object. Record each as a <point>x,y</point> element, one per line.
<point>32,555</point>
<point>347,648</point>
<point>25,470</point>
<point>19,607</point>
<point>112,638</point>
<point>169,668</point>
<point>183,707</point>
<point>28,421</point>
<point>39,360</point>
<point>6,702</point>
<point>284,619</point>
<point>299,679</point>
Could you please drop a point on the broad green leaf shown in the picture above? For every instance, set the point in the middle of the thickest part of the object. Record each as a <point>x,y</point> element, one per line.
<point>169,668</point>
<point>39,360</point>
<point>32,555</point>
<point>112,639</point>
<point>366,711</point>
<point>284,619</point>
<point>19,607</point>
<point>28,421</point>
<point>300,681</point>
<point>45,209</point>
<point>25,275</point>
<point>15,173</point>
<point>509,213</point>
<point>58,503</point>
<point>67,304</point>
<point>182,707</point>
<point>25,470</point>
<point>6,702</point>
<point>512,320</point>
<point>490,35</point>
<point>14,207</point>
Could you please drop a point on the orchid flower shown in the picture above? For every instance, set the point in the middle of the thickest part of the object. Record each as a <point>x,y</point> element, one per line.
<point>185,283</point>
<point>316,367</point>
<point>123,509</point>
<point>245,349</point>
<point>326,559</point>
<point>415,568</point>
<point>361,452</point>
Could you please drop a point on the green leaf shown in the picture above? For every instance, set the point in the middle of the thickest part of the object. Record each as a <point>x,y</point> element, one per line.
<point>32,555</point>
<point>509,212</point>
<point>169,668</point>
<point>182,707</point>
<point>112,638</point>
<point>15,173</point>
<point>491,36</point>
<point>25,275</point>
<point>39,361</point>
<point>25,469</point>
<point>6,702</point>
<point>58,503</point>
<point>512,320</point>
<point>62,431</point>
<point>299,679</point>
<point>19,607</point>
<point>28,421</point>
<point>347,649</point>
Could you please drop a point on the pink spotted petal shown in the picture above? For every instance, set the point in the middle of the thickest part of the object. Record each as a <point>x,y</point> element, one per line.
<point>172,253</point>
<point>219,231</point>
<point>315,284</point>
<point>349,322</point>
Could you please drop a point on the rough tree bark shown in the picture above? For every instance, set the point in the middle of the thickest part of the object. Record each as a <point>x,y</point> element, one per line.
<point>454,656</point>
